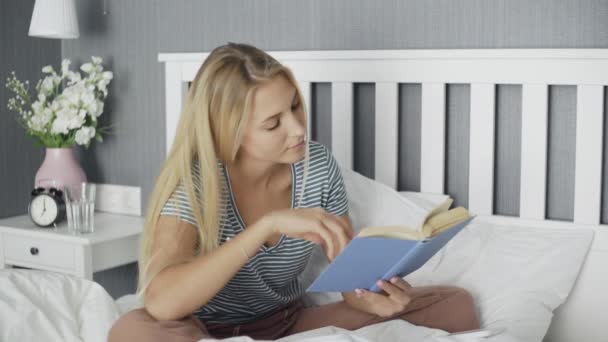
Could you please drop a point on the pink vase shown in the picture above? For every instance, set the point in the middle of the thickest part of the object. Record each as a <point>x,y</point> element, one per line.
<point>59,168</point>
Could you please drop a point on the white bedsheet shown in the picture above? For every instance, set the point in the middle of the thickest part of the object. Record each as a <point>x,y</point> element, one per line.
<point>46,306</point>
<point>500,265</point>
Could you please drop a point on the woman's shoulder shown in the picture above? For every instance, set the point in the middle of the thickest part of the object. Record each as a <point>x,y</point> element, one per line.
<point>318,151</point>
<point>321,160</point>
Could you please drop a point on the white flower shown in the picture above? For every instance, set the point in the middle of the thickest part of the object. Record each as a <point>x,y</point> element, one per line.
<point>64,101</point>
<point>88,95</point>
<point>47,69</point>
<point>84,134</point>
<point>99,109</point>
<point>37,107</point>
<point>102,84</point>
<point>73,94</point>
<point>65,66</point>
<point>57,80</point>
<point>60,125</point>
<point>107,75</point>
<point>47,85</point>
<point>92,108</point>
<point>87,67</point>
<point>38,121</point>
<point>67,118</point>
<point>74,77</point>
<point>55,105</point>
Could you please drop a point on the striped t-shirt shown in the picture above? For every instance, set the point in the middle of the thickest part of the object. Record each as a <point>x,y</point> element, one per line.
<point>270,278</point>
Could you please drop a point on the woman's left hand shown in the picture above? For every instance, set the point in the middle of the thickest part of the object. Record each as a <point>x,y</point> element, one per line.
<point>394,299</point>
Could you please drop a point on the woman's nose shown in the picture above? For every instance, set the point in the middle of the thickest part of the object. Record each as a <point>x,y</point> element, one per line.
<point>296,124</point>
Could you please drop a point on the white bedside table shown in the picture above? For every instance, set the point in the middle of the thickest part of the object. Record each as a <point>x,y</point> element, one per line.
<point>114,242</point>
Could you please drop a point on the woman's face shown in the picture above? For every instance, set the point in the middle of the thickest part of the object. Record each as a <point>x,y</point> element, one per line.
<point>277,126</point>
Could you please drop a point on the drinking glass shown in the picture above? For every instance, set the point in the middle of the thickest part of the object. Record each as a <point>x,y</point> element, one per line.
<point>80,207</point>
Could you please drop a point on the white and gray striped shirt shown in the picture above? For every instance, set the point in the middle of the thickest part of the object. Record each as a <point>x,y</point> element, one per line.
<point>270,278</point>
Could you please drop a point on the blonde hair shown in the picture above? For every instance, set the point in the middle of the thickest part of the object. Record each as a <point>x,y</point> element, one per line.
<point>213,118</point>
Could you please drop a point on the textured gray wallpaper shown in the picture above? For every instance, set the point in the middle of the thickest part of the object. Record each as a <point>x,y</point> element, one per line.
<point>20,158</point>
<point>131,35</point>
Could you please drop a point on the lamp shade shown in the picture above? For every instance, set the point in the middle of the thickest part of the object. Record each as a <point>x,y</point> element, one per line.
<point>54,19</point>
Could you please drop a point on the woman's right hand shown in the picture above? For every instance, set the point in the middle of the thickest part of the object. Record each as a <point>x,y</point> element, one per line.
<point>313,224</point>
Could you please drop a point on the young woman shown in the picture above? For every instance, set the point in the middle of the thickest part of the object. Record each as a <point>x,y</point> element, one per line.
<point>241,201</point>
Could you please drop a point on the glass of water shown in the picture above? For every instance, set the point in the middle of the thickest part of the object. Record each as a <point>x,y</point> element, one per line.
<point>80,207</point>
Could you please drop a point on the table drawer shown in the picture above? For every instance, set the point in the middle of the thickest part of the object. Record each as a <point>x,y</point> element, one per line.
<point>38,251</point>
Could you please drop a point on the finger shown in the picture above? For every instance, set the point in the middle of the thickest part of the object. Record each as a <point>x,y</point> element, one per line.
<point>332,241</point>
<point>395,293</point>
<point>326,235</point>
<point>346,225</point>
<point>400,283</point>
<point>349,225</point>
<point>368,295</point>
<point>313,237</point>
<point>335,226</point>
<point>335,239</point>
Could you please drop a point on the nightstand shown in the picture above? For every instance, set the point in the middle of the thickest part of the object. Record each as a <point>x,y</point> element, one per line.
<point>114,242</point>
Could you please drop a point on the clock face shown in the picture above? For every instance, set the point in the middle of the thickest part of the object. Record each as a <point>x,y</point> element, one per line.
<point>43,210</point>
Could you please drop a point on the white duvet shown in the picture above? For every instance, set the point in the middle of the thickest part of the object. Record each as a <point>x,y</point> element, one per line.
<point>517,275</point>
<point>46,306</point>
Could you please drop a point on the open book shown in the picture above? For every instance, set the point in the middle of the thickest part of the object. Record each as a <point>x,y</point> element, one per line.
<point>388,251</point>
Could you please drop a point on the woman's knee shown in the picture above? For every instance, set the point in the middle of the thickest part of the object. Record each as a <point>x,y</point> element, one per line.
<point>127,325</point>
<point>464,307</point>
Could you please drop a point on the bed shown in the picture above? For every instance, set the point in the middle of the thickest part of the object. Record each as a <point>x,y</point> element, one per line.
<point>557,271</point>
<point>580,318</point>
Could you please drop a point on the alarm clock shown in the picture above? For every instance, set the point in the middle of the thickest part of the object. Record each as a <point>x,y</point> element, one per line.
<point>47,207</point>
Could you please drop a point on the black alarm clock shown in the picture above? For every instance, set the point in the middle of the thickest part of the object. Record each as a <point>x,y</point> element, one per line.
<point>47,207</point>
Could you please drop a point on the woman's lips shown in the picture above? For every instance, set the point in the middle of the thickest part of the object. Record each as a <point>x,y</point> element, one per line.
<point>298,145</point>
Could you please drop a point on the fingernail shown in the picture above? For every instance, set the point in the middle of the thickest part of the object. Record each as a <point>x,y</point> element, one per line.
<point>394,280</point>
<point>379,282</point>
<point>358,292</point>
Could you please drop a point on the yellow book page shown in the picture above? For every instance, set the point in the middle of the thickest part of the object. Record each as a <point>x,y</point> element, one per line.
<point>444,221</point>
<point>438,223</point>
<point>443,207</point>
<point>398,232</point>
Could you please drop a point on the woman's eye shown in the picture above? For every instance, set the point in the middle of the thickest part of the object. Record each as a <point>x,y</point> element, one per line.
<point>275,126</point>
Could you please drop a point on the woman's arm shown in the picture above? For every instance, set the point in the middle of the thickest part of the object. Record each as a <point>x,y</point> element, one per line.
<point>181,288</point>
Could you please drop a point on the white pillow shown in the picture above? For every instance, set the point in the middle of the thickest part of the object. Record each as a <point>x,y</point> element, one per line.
<point>518,275</point>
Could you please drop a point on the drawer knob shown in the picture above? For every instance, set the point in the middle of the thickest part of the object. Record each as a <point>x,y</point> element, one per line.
<point>34,250</point>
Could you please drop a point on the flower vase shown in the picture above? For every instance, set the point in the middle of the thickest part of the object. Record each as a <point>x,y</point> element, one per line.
<point>59,169</point>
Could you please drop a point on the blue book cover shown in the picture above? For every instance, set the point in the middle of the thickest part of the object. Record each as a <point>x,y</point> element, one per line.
<point>366,260</point>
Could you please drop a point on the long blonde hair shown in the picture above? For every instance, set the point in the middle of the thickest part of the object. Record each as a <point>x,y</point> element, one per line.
<point>213,118</point>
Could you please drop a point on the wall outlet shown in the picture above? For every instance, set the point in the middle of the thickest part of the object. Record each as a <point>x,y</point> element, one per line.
<point>118,199</point>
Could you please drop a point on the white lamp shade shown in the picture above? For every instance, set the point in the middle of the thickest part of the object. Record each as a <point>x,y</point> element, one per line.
<point>54,19</point>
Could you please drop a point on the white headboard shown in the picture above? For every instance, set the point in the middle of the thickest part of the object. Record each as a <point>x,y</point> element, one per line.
<point>534,69</point>
<point>483,69</point>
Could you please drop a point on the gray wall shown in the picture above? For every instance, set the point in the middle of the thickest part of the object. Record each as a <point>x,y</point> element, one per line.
<point>20,157</point>
<point>131,35</point>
